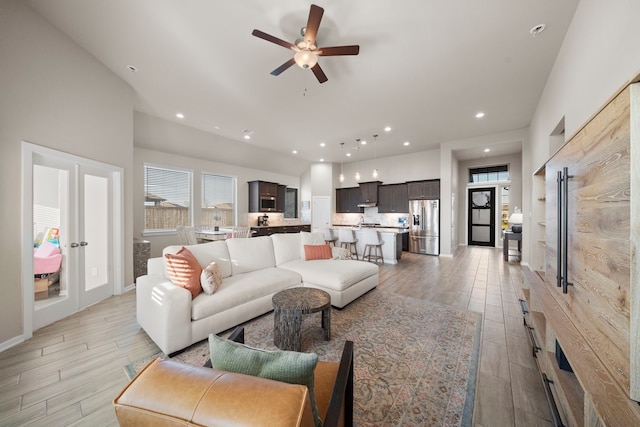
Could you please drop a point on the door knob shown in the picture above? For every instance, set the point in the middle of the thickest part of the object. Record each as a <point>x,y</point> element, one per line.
<point>74,245</point>
<point>84,243</point>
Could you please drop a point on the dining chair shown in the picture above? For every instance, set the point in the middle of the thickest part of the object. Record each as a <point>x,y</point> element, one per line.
<point>240,232</point>
<point>187,235</point>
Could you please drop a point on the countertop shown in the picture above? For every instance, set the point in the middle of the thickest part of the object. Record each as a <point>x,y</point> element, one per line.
<point>285,225</point>
<point>382,229</point>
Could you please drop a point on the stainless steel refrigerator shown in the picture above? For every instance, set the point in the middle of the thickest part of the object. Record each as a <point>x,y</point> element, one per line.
<point>424,232</point>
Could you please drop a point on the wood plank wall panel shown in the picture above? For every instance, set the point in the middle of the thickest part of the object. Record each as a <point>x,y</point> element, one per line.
<point>606,400</point>
<point>599,250</point>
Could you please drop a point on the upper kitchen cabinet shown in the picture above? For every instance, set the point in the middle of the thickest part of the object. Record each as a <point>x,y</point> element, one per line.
<point>347,200</point>
<point>263,196</point>
<point>393,198</point>
<point>369,192</point>
<point>424,190</point>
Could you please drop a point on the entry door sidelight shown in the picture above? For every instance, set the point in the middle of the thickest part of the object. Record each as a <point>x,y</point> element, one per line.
<point>481,222</point>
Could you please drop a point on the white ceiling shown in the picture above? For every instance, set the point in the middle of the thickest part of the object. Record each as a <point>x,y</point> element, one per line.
<point>425,67</point>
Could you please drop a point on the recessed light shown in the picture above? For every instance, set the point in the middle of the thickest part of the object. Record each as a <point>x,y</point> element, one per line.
<point>479,115</point>
<point>406,143</point>
<point>322,160</point>
<point>387,129</point>
<point>486,150</point>
<point>180,115</point>
<point>322,144</point>
<point>295,151</point>
<point>348,154</point>
<point>363,142</point>
<point>537,29</point>
<point>132,68</point>
<point>216,127</point>
<point>247,136</point>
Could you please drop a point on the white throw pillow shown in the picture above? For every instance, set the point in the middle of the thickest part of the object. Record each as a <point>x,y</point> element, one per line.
<point>211,278</point>
<point>341,253</point>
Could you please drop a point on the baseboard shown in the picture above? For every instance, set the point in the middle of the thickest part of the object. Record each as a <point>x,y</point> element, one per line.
<point>11,343</point>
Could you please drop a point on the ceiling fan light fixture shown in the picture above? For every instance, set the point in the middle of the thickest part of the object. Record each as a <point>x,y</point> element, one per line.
<point>305,58</point>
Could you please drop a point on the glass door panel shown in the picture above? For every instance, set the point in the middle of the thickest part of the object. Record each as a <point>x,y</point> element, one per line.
<point>94,236</point>
<point>53,200</point>
<point>481,216</point>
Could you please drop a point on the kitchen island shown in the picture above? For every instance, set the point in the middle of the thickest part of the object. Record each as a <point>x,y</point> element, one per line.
<point>392,238</point>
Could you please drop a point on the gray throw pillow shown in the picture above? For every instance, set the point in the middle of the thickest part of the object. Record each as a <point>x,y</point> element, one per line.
<point>286,366</point>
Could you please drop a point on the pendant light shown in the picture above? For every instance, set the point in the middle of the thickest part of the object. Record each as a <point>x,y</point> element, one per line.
<point>357,160</point>
<point>374,173</point>
<point>342,162</point>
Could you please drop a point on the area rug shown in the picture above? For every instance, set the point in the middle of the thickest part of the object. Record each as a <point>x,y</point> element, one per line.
<point>415,361</point>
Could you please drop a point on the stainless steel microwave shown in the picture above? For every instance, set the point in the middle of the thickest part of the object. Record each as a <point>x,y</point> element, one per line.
<point>267,203</point>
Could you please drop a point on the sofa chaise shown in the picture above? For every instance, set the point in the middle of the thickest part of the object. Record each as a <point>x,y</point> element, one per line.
<point>253,270</point>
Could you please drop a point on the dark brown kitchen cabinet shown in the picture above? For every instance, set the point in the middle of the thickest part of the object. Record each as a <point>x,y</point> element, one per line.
<point>393,198</point>
<point>369,192</point>
<point>347,200</point>
<point>424,190</point>
<point>258,189</point>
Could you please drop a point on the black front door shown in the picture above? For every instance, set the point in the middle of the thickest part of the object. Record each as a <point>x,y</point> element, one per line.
<point>482,224</point>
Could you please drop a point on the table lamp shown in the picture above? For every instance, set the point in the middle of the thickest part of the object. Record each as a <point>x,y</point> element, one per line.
<point>516,222</point>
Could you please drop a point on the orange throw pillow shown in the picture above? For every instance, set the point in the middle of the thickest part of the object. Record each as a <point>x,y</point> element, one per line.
<point>317,252</point>
<point>184,271</point>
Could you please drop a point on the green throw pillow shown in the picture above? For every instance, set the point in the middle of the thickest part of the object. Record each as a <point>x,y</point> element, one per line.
<point>285,366</point>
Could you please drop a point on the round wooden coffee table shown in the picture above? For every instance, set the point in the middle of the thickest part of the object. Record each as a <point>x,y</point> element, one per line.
<point>288,307</point>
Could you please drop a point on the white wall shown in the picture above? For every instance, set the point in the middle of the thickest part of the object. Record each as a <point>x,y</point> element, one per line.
<point>394,169</point>
<point>54,94</point>
<point>172,137</point>
<point>598,56</point>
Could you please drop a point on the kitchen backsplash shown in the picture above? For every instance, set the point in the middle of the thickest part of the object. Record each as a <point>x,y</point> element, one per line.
<point>371,215</point>
<point>274,219</point>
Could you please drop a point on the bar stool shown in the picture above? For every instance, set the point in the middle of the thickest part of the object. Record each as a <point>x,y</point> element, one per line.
<point>329,238</point>
<point>348,240</point>
<point>371,240</point>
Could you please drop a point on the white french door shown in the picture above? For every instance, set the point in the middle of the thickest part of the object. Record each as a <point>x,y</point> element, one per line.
<point>95,276</point>
<point>85,198</point>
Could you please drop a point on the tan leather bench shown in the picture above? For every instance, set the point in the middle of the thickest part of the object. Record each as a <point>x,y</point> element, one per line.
<point>169,393</point>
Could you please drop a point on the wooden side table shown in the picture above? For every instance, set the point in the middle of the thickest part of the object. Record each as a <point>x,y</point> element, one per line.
<point>510,235</point>
<point>288,307</point>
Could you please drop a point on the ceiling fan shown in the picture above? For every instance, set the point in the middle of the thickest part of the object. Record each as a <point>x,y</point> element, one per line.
<point>307,52</point>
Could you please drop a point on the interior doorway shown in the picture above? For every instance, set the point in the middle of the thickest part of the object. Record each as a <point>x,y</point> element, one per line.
<point>481,216</point>
<point>75,207</point>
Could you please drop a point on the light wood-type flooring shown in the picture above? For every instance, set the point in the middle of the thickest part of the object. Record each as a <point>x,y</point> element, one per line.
<point>69,372</point>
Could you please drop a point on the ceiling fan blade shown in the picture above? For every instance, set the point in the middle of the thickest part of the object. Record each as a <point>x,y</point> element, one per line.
<point>320,75</point>
<point>313,23</point>
<point>272,39</point>
<point>339,50</point>
<point>283,67</point>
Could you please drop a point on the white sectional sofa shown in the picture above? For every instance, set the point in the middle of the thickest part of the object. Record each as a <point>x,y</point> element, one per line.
<point>253,270</point>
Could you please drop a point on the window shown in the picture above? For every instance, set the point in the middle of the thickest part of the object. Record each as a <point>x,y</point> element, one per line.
<point>291,203</point>
<point>167,198</point>
<point>218,196</point>
<point>489,174</point>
